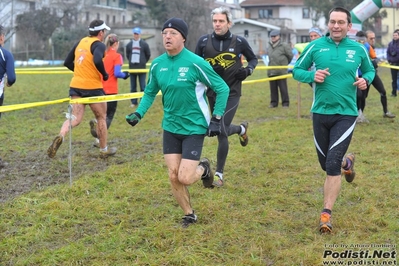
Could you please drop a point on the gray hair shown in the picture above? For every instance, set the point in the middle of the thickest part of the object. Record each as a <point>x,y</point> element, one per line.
<point>224,11</point>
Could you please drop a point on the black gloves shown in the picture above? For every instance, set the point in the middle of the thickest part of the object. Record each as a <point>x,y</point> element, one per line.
<point>126,75</point>
<point>218,69</point>
<point>375,63</point>
<point>243,73</point>
<point>133,118</point>
<point>214,128</point>
<point>105,77</point>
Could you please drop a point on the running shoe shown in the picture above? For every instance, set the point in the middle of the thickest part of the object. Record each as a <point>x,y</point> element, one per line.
<point>3,164</point>
<point>207,176</point>
<point>350,173</point>
<point>96,143</point>
<point>325,223</point>
<point>93,128</point>
<point>52,150</point>
<point>188,220</point>
<point>218,181</point>
<point>244,137</point>
<point>389,115</point>
<point>109,152</point>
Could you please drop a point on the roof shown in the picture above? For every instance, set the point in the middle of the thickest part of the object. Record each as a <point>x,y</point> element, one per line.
<point>256,23</point>
<point>256,3</point>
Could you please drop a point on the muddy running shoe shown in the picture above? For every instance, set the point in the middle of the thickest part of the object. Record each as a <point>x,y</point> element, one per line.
<point>350,173</point>
<point>52,150</point>
<point>109,152</point>
<point>189,219</point>
<point>244,138</point>
<point>389,115</point>
<point>96,143</point>
<point>207,176</point>
<point>3,164</point>
<point>218,181</point>
<point>93,127</point>
<point>325,223</point>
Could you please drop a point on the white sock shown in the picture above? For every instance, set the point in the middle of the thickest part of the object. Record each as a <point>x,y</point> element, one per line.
<point>105,149</point>
<point>220,175</point>
<point>242,130</point>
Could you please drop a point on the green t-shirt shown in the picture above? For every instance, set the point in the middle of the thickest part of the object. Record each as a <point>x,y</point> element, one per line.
<point>183,80</point>
<point>337,94</point>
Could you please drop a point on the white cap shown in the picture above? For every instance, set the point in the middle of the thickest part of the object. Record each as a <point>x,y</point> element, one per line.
<point>101,27</point>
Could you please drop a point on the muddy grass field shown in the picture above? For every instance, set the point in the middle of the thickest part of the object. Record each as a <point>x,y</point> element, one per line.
<point>27,133</point>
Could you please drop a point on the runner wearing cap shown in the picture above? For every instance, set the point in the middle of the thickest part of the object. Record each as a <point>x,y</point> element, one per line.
<point>86,61</point>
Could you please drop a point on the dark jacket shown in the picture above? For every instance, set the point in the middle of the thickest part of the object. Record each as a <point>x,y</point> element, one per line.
<point>145,54</point>
<point>226,56</point>
<point>7,66</point>
<point>393,52</point>
<point>279,55</point>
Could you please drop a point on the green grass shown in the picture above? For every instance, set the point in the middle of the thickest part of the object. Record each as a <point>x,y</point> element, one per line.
<point>121,211</point>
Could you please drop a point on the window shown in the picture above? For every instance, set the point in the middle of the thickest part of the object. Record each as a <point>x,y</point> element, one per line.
<point>304,39</point>
<point>32,6</point>
<point>265,13</point>
<point>305,13</point>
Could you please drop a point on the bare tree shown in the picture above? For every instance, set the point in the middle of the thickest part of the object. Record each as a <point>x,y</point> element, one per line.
<point>195,13</point>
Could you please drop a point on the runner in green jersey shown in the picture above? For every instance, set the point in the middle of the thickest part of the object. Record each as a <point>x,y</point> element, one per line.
<point>183,77</point>
<point>337,60</point>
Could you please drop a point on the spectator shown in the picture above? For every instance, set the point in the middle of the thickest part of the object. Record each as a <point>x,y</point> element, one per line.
<point>315,33</point>
<point>393,60</point>
<point>137,53</point>
<point>7,73</point>
<point>280,54</point>
<point>224,51</point>
<point>367,39</point>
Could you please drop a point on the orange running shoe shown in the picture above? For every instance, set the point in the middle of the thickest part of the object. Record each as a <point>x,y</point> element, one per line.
<point>350,173</point>
<point>325,223</point>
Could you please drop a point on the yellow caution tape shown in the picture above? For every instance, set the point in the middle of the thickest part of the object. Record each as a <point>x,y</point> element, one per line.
<point>13,107</point>
<point>59,70</point>
<point>107,98</point>
<point>56,71</point>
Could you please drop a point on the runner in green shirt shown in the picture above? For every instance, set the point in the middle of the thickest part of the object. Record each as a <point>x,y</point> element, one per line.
<point>337,60</point>
<point>183,77</point>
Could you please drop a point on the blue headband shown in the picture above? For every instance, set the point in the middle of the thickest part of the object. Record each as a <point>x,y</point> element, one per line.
<point>317,30</point>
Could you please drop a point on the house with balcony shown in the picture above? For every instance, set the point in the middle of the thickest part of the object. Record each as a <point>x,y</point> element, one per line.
<point>117,14</point>
<point>293,18</point>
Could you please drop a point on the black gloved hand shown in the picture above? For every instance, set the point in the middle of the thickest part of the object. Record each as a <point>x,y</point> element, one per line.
<point>375,63</point>
<point>218,69</point>
<point>133,118</point>
<point>105,77</point>
<point>243,73</point>
<point>127,75</point>
<point>214,128</point>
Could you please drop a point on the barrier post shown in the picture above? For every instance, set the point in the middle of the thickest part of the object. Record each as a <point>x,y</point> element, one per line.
<point>299,100</point>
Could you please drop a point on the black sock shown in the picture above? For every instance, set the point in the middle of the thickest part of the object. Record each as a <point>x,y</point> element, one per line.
<point>326,211</point>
